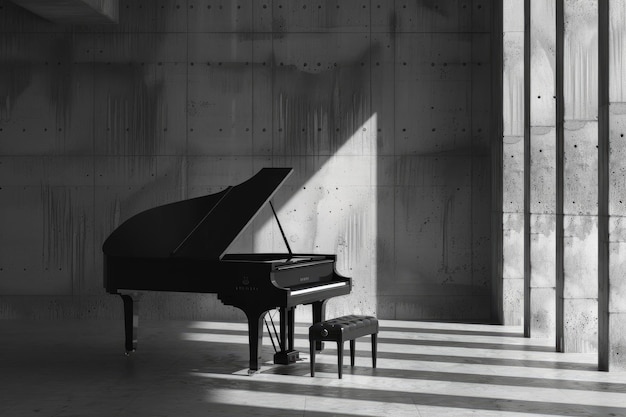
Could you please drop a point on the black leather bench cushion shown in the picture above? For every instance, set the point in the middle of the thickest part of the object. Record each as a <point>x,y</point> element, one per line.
<point>344,328</point>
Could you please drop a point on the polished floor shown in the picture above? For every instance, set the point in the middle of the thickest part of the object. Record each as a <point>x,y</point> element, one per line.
<point>63,369</point>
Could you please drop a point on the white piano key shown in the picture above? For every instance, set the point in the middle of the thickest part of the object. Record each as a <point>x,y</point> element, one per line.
<point>317,288</point>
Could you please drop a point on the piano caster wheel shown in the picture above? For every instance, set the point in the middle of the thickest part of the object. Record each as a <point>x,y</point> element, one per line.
<point>129,352</point>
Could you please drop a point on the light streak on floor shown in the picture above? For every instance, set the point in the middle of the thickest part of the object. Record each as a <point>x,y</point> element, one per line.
<point>199,368</point>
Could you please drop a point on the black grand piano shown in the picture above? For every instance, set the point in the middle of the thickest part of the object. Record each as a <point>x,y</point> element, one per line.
<point>181,247</point>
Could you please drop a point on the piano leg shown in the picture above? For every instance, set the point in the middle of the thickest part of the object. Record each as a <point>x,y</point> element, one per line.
<point>287,323</point>
<point>291,324</point>
<point>319,315</point>
<point>255,338</point>
<point>131,320</point>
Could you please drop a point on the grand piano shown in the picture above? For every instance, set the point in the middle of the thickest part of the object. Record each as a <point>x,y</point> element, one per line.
<point>182,247</point>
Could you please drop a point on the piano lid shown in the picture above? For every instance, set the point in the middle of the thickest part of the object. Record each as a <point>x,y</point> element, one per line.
<point>202,227</point>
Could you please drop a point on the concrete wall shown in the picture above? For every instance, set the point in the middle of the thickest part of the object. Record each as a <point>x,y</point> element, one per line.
<point>574,175</point>
<point>382,108</point>
<point>579,293</point>
<point>513,163</point>
<point>541,172</point>
<point>560,186</point>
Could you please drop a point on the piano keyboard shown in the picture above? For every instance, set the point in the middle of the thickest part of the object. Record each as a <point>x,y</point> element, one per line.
<point>318,288</point>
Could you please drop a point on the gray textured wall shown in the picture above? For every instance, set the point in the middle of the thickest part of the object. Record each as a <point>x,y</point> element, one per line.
<point>383,108</point>
<point>513,163</point>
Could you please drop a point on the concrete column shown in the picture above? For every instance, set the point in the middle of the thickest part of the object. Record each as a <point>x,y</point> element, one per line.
<point>513,163</point>
<point>540,171</point>
<point>612,181</point>
<point>577,191</point>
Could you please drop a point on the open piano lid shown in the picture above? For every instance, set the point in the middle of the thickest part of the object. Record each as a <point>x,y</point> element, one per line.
<point>202,227</point>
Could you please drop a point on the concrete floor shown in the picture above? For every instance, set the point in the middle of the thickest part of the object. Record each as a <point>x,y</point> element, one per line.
<point>199,369</point>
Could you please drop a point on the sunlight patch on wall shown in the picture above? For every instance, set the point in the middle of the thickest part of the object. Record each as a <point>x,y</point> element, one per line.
<point>330,207</point>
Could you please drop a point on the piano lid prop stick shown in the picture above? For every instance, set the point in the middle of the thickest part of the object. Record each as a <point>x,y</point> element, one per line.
<point>281,230</point>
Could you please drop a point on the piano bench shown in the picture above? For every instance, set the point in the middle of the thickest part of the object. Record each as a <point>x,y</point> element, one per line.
<point>339,330</point>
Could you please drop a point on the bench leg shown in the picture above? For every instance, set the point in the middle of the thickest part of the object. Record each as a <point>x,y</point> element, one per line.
<point>319,315</point>
<point>312,348</point>
<point>374,337</point>
<point>352,346</point>
<point>340,357</point>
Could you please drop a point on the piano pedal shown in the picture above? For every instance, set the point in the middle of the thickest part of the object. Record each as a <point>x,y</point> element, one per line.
<point>286,357</point>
